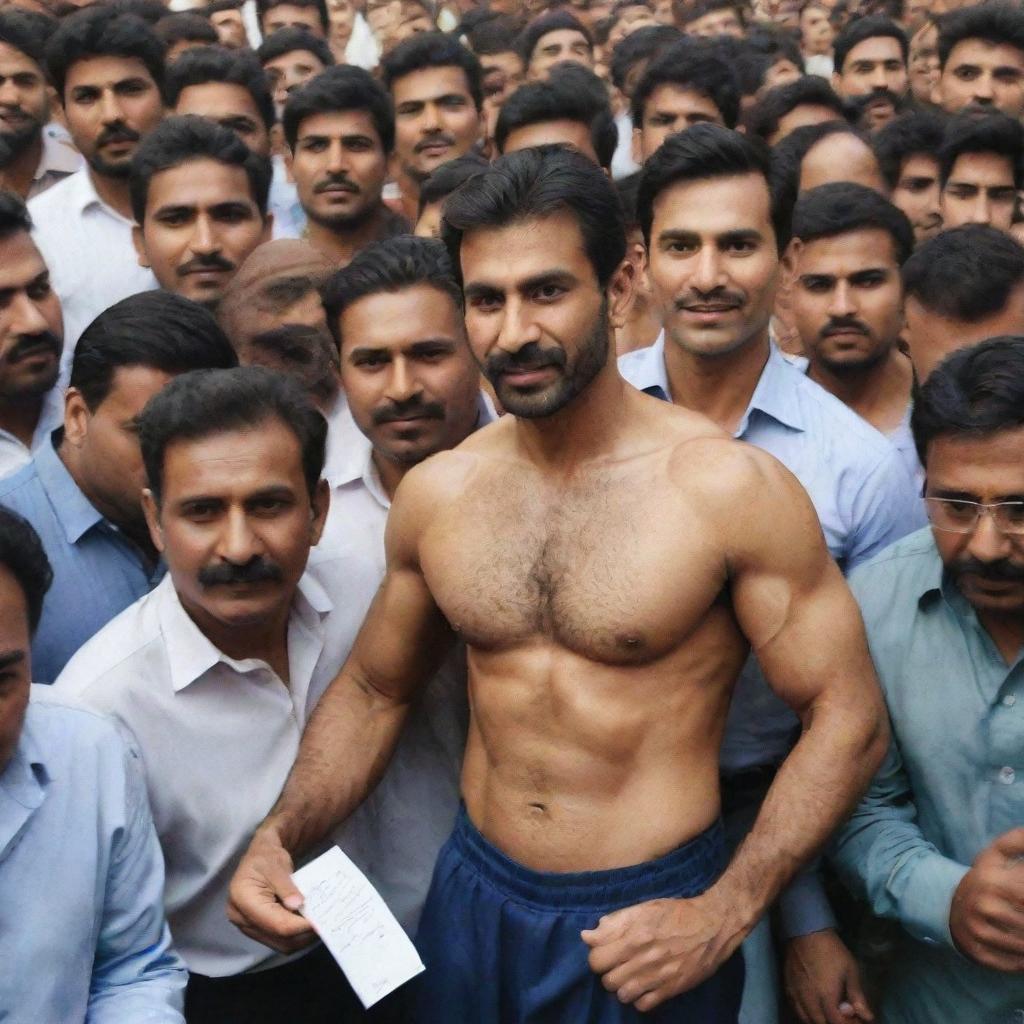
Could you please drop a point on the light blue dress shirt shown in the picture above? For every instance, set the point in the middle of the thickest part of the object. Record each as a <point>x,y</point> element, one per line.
<point>81,879</point>
<point>97,571</point>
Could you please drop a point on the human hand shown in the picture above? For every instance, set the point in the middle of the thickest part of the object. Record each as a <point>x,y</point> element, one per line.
<point>823,981</point>
<point>986,918</point>
<point>263,901</point>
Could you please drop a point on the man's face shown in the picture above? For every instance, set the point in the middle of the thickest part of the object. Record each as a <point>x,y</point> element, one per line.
<point>411,382</point>
<point>110,104</point>
<point>24,104</point>
<point>985,75</point>
<point>847,299</point>
<point>664,13</point>
<point>987,564</point>
<point>235,523</point>
<point>230,106</point>
<point>841,157</point>
<point>563,44</point>
<point>413,20</point>
<point>924,63</point>
<point>932,336</point>
<point>781,72</point>
<point>801,116</point>
<point>201,222</point>
<point>342,14</point>
<point>628,21</point>
<point>290,16</point>
<point>339,166</point>
<point>717,23</point>
<point>816,32</point>
<point>670,109</point>
<point>435,119</point>
<point>31,329</point>
<point>289,71</point>
<point>713,263</point>
<point>230,28</point>
<point>502,75</point>
<point>917,195</point>
<point>539,323</point>
<point>874,65</point>
<point>15,664</point>
<point>573,134</point>
<point>980,190</point>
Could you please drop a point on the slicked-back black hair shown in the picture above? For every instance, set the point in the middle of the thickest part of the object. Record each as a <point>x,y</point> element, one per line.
<point>989,133</point>
<point>205,64</point>
<point>26,32</point>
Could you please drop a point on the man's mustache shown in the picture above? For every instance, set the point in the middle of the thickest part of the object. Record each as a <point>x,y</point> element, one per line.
<point>717,296</point>
<point>407,410</point>
<point>117,133</point>
<point>210,261</point>
<point>530,357</point>
<point>29,344</point>
<point>844,325</point>
<point>1001,571</point>
<point>434,140</point>
<point>333,181</point>
<point>256,570</point>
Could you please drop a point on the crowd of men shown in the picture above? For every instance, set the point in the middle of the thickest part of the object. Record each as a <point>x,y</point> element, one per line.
<point>372,374</point>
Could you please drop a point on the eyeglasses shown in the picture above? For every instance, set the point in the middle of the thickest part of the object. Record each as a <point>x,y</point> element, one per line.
<point>954,515</point>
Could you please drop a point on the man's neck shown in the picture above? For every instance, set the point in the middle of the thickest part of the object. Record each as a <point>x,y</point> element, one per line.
<point>719,387</point>
<point>21,171</point>
<point>21,418</point>
<point>341,246</point>
<point>879,393</point>
<point>391,473</point>
<point>113,192</point>
<point>408,195</point>
<point>1007,632</point>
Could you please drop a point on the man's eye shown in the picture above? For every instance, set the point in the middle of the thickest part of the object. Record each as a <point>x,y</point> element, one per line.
<point>967,74</point>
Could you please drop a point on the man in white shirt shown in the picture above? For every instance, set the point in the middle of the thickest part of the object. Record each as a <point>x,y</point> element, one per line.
<point>108,70</point>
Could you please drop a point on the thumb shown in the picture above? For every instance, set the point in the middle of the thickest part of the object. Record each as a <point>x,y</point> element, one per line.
<point>855,998</point>
<point>1010,844</point>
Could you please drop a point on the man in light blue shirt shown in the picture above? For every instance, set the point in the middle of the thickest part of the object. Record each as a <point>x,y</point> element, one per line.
<point>81,876</point>
<point>937,843</point>
<point>82,491</point>
<point>714,238</point>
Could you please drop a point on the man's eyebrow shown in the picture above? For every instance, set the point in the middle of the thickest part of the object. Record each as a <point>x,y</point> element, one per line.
<point>11,658</point>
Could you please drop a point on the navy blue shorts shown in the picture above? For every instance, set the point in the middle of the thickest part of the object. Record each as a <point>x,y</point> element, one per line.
<point>502,945</point>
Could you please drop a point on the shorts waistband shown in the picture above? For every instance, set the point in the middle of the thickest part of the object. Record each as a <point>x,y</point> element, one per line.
<point>683,872</point>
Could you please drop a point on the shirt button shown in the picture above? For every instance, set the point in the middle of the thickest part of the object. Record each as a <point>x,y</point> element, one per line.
<point>1007,776</point>
<point>1009,700</point>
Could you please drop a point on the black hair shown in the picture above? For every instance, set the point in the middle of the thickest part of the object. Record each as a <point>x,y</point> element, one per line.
<point>537,183</point>
<point>810,90</point>
<point>994,22</point>
<point>775,44</point>
<point>26,32</point>
<point>150,11</point>
<point>628,189</point>
<point>179,140</point>
<point>842,207</point>
<point>14,215</point>
<point>965,273</point>
<point>694,64</point>
<point>433,50</point>
<point>702,152</point>
<point>988,133</point>
<point>100,31</point>
<point>288,40</point>
<point>856,31</point>
<point>556,21</point>
<point>216,6</point>
<point>337,89</point>
<point>491,33</point>
<point>205,64</point>
<point>23,556</point>
<point>974,392</point>
<point>204,403</point>
<point>644,44</point>
<point>449,176</point>
<point>571,93</point>
<point>920,132</point>
<point>391,265</point>
<point>157,329</point>
<point>263,7</point>
<point>193,28</point>
<point>702,7</point>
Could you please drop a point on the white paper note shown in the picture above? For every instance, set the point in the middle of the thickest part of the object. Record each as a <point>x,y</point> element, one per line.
<point>356,925</point>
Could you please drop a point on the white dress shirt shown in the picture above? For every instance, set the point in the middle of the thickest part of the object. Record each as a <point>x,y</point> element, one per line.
<point>14,453</point>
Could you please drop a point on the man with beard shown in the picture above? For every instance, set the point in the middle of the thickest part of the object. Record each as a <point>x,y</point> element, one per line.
<point>31,336</point>
<point>600,661</point>
<point>936,844</point>
<point>871,68</point>
<point>38,158</point>
<point>341,130</point>
<point>108,70</point>
<point>82,490</point>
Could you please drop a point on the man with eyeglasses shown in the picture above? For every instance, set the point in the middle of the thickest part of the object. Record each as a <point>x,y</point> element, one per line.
<point>936,844</point>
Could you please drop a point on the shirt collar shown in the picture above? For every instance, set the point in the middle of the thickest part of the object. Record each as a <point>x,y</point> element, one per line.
<point>57,158</point>
<point>84,196</point>
<point>75,513</point>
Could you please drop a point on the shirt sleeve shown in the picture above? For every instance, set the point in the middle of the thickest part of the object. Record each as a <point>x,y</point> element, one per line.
<point>883,856</point>
<point>136,976</point>
<point>803,906</point>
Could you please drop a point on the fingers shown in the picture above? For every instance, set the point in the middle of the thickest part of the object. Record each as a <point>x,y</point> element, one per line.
<point>858,1003</point>
<point>1010,844</point>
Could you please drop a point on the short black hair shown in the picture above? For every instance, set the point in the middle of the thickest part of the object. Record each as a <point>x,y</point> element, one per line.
<point>193,28</point>
<point>449,176</point>
<point>994,22</point>
<point>492,33</point>
<point>872,27</point>
<point>288,40</point>
<point>207,402</point>
<point>700,8</point>
<point>965,273</point>
<point>702,152</point>
<point>917,133</point>
<point>775,44</point>
<point>14,215</point>
<point>810,90</point>
<point>974,392</point>
<point>204,64</point>
<point>26,32</point>
<point>157,329</point>
<point>216,6</point>
<point>842,207</point>
<point>536,183</point>
<point>23,556</point>
<point>179,140</point>
<point>391,265</point>
<point>150,11</point>
<point>338,89</point>
<point>570,93</point>
<point>628,189</point>
<point>697,65</point>
<point>995,133</point>
<point>100,31</point>
<point>644,44</point>
<point>263,7</point>
<point>433,50</point>
<point>556,21</point>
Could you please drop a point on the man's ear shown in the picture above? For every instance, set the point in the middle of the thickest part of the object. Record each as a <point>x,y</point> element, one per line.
<point>790,263</point>
<point>139,241</point>
<point>320,505</point>
<point>76,417</point>
<point>620,292</point>
<point>151,510</point>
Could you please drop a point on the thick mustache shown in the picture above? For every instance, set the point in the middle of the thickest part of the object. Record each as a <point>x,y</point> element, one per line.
<point>718,297</point>
<point>212,262</point>
<point>408,410</point>
<point>1003,571</point>
<point>844,327</point>
<point>117,133</point>
<point>434,140</point>
<point>256,570</point>
<point>28,344</point>
<point>333,182</point>
<point>529,357</point>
